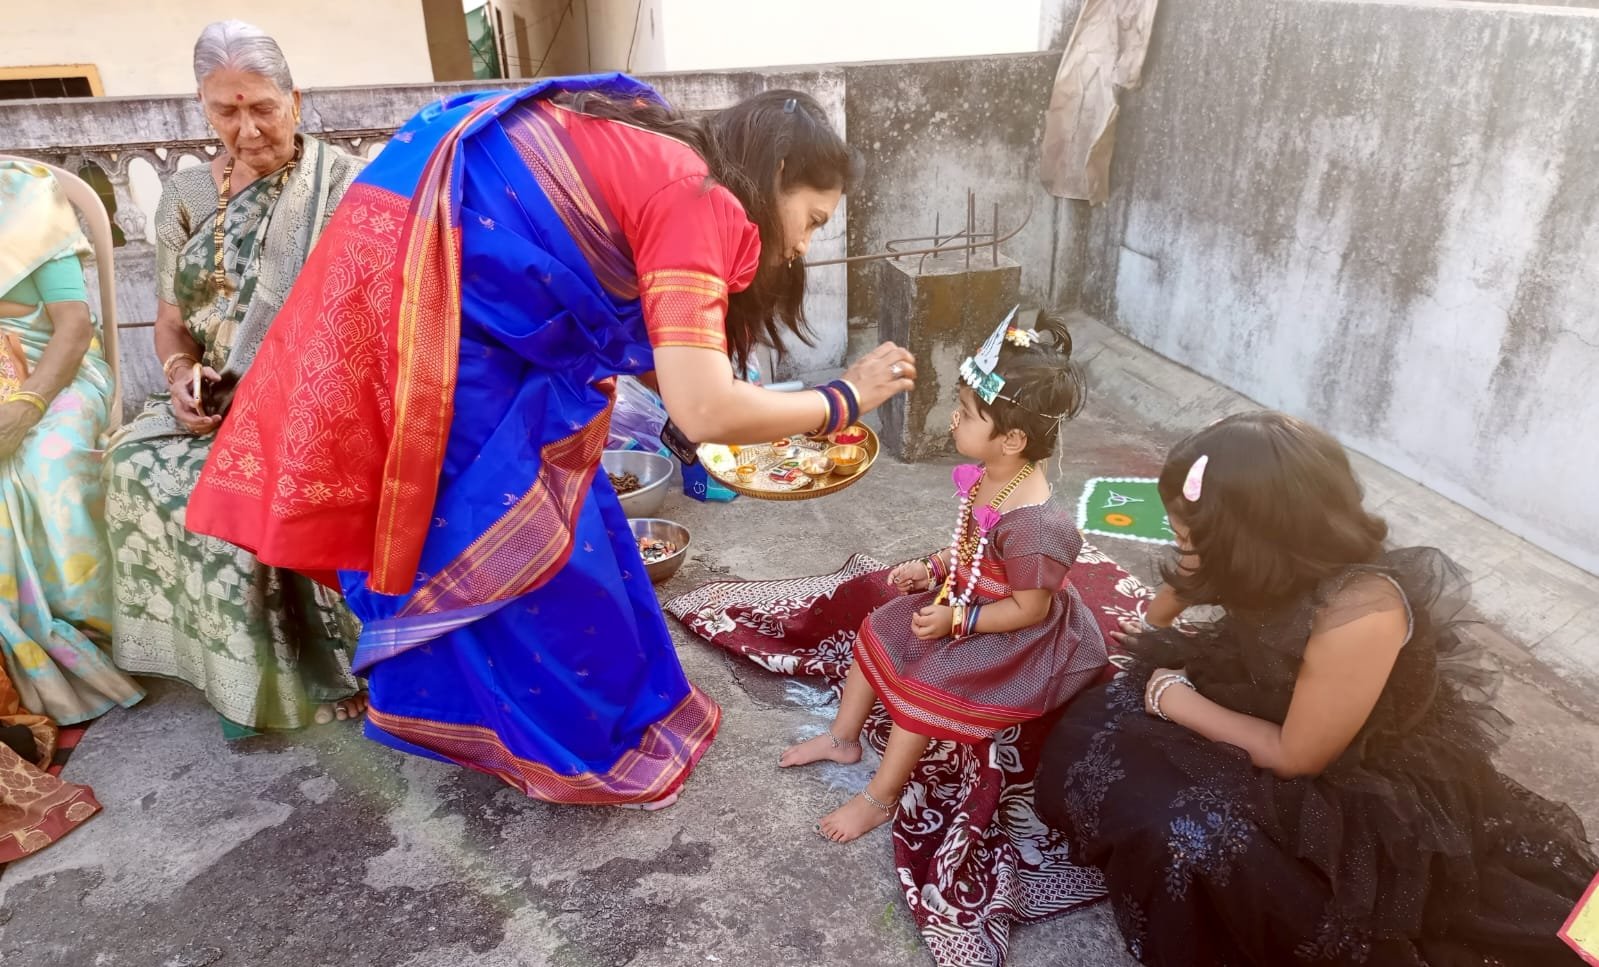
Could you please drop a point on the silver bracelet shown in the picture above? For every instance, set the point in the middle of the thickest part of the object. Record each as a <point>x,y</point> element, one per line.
<point>1149,687</point>
<point>1160,689</point>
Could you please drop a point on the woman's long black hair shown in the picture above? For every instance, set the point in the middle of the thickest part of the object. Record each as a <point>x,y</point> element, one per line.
<point>758,148</point>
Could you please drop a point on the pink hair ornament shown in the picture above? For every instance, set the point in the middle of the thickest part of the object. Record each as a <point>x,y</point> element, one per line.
<point>1194,483</point>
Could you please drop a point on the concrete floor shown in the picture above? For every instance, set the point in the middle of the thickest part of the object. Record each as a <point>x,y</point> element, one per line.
<point>325,849</point>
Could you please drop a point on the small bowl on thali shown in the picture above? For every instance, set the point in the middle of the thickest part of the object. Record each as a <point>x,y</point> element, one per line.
<point>848,459</point>
<point>850,436</point>
<point>816,466</point>
<point>745,472</point>
<point>662,543</point>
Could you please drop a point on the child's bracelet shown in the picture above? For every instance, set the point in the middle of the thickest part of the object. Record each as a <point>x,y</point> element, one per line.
<point>1166,682</point>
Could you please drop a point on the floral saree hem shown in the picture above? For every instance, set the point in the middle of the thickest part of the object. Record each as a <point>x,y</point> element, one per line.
<point>653,769</point>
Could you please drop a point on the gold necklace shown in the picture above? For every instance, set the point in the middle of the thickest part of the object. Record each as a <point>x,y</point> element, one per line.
<point>969,535</point>
<point>219,274</point>
<point>969,545</point>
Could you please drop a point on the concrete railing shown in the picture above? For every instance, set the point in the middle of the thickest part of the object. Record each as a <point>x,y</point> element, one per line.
<point>926,131</point>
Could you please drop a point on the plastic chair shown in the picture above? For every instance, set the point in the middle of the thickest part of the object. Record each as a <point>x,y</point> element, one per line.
<point>87,201</point>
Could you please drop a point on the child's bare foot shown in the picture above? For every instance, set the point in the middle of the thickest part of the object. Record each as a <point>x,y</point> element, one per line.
<point>824,747</point>
<point>855,819</point>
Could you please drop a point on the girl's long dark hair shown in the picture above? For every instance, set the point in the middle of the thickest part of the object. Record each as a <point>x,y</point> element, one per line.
<point>758,148</point>
<point>1279,511</point>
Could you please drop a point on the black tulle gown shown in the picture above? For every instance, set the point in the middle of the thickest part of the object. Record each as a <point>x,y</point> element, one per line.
<point>1412,849</point>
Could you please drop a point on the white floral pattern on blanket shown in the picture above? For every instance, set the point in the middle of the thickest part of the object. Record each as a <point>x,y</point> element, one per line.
<point>972,854</point>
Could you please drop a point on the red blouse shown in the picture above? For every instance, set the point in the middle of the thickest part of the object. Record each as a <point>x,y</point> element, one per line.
<point>692,243</point>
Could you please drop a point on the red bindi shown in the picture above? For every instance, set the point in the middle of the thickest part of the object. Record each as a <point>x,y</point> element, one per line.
<point>238,97</point>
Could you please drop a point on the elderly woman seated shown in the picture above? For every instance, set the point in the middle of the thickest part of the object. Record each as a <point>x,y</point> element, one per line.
<point>55,397</point>
<point>269,648</point>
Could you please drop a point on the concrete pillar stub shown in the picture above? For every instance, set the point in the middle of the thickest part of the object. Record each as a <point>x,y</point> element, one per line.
<point>942,310</point>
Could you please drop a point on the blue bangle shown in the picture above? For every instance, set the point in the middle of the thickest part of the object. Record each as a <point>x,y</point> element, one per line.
<point>971,620</point>
<point>852,402</point>
<point>832,409</point>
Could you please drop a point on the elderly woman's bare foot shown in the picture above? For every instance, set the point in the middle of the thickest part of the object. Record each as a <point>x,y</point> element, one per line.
<point>825,747</point>
<point>855,819</point>
<point>345,710</point>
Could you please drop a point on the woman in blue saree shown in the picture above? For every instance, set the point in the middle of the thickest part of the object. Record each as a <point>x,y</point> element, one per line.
<point>430,409</point>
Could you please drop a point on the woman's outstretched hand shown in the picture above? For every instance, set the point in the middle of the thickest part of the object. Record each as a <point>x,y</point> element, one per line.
<point>882,373</point>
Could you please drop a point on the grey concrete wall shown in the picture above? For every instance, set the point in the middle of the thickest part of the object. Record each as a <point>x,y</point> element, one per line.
<point>1055,22</point>
<point>1534,3</point>
<point>929,130</point>
<point>1383,217</point>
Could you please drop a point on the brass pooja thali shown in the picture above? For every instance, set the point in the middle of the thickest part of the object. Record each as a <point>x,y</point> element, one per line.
<point>798,468</point>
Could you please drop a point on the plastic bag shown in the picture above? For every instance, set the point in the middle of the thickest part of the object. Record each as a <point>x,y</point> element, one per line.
<point>637,418</point>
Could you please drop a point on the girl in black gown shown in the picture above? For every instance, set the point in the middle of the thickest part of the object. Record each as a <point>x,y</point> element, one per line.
<point>1306,779</point>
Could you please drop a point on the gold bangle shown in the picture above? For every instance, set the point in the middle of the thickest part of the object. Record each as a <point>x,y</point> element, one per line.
<point>827,411</point>
<point>166,365</point>
<point>28,396</point>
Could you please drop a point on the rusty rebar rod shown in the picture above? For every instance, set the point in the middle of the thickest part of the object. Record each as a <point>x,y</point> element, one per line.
<point>941,245</point>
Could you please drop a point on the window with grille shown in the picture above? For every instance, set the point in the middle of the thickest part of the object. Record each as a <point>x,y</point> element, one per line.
<point>49,80</point>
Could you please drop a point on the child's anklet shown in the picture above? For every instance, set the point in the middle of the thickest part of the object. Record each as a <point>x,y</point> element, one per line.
<point>839,743</point>
<point>876,803</point>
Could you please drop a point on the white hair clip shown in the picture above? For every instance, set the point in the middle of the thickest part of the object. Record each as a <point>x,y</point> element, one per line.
<point>1194,484</point>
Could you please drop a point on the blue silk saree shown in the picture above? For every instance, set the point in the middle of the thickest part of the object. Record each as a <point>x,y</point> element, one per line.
<point>426,419</point>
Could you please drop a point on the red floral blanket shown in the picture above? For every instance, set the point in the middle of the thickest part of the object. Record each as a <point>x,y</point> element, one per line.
<point>972,855</point>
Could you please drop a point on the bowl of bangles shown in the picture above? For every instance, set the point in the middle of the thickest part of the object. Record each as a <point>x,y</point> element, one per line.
<point>793,468</point>
<point>662,543</point>
<point>641,479</point>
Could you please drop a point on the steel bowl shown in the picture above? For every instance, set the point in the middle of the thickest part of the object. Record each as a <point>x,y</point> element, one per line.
<point>662,530</point>
<point>654,473</point>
